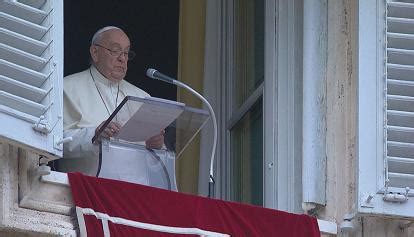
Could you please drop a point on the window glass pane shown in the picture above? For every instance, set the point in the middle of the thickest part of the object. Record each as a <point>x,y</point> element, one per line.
<point>247,157</point>
<point>249,48</point>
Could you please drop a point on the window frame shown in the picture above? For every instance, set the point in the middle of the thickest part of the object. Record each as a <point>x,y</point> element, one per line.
<point>236,113</point>
<point>282,105</point>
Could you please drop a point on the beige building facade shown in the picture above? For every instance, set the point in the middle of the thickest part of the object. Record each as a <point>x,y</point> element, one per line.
<point>331,70</point>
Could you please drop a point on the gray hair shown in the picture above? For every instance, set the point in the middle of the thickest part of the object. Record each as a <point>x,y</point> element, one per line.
<point>97,36</point>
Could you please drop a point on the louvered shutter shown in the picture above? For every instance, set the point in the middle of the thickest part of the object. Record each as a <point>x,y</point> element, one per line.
<point>400,94</point>
<point>31,73</point>
<point>385,141</point>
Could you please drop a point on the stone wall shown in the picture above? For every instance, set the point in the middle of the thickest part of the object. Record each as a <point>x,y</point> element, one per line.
<point>30,207</point>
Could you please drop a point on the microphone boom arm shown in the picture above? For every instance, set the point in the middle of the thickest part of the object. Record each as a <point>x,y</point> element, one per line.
<point>213,150</point>
<point>152,73</point>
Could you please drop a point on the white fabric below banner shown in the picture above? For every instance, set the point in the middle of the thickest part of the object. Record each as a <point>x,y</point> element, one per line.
<point>81,212</point>
<point>135,164</point>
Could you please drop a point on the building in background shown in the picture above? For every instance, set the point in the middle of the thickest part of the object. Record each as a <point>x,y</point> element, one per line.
<point>313,98</point>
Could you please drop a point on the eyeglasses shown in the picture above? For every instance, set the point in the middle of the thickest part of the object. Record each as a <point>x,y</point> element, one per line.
<point>116,53</point>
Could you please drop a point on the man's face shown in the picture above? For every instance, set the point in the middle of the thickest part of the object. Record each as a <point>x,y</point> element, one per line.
<point>103,53</point>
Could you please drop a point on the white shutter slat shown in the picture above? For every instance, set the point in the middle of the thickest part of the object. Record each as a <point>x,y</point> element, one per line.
<point>401,41</point>
<point>400,102</point>
<point>22,74</point>
<point>401,72</point>
<point>400,118</point>
<point>400,9</point>
<point>401,165</point>
<point>399,87</point>
<point>400,134</point>
<point>21,89</point>
<point>400,149</point>
<point>400,56</point>
<point>400,94</point>
<point>34,3</point>
<point>401,25</point>
<point>22,58</point>
<point>23,11</point>
<point>401,180</point>
<point>22,42</point>
<point>21,104</point>
<point>21,26</point>
<point>400,83</point>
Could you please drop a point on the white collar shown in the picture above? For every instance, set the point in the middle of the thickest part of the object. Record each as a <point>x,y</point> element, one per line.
<point>101,78</point>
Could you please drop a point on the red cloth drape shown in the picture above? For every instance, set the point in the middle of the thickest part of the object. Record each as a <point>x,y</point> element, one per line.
<point>162,207</point>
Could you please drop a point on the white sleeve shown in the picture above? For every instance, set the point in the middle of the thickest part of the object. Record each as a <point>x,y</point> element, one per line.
<point>81,145</point>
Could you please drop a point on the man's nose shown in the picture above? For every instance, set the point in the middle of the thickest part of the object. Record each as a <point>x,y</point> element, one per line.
<point>123,57</point>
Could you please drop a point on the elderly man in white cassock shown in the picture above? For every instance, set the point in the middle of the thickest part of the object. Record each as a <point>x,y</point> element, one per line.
<point>90,96</point>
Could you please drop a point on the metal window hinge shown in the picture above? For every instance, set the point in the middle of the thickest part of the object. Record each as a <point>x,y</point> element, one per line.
<point>58,141</point>
<point>368,200</point>
<point>42,125</point>
<point>395,197</point>
<point>43,168</point>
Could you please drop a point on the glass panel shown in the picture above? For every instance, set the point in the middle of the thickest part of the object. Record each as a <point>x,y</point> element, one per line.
<point>247,157</point>
<point>142,118</point>
<point>249,48</point>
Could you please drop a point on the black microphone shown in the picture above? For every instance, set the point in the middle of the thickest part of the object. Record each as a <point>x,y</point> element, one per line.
<point>154,74</point>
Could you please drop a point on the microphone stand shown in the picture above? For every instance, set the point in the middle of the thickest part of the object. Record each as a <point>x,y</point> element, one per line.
<point>211,182</point>
<point>152,73</point>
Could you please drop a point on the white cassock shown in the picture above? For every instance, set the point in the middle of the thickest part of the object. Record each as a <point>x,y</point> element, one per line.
<point>88,100</point>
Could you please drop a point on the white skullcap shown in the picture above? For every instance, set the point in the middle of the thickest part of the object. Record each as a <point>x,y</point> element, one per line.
<point>102,30</point>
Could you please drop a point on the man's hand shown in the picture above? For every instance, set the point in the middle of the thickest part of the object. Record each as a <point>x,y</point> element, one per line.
<point>111,130</point>
<point>156,141</point>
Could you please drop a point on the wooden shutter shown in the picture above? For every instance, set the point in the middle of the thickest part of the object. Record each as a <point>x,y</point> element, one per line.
<point>31,73</point>
<point>400,94</point>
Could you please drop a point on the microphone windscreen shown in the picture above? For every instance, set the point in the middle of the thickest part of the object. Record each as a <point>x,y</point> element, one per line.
<point>150,73</point>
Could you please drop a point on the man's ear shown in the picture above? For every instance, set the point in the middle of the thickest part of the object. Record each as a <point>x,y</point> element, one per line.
<point>94,53</point>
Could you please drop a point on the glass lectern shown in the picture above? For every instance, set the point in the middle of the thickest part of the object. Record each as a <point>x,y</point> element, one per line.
<point>125,156</point>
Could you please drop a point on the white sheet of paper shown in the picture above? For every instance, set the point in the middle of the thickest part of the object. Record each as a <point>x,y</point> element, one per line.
<point>149,120</point>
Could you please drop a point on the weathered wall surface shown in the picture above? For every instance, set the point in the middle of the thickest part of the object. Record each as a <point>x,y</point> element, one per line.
<point>341,111</point>
<point>29,207</point>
